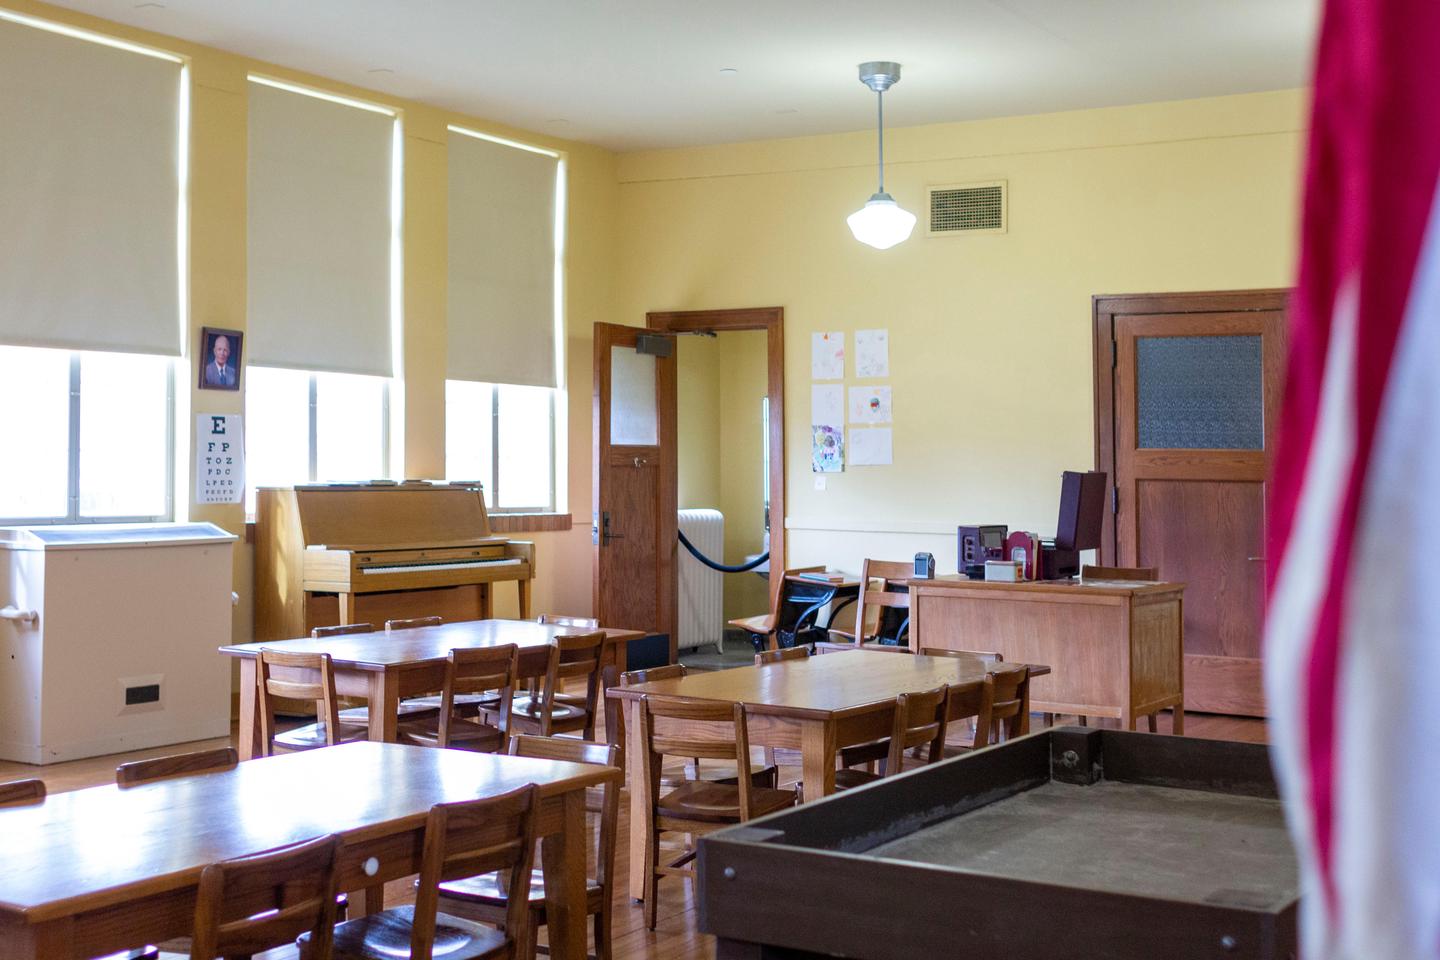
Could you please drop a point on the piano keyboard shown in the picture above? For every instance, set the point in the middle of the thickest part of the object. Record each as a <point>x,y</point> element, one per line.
<point>442,565</point>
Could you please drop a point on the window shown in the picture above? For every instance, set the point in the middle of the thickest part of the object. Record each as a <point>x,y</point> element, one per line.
<point>96,440</point>
<point>303,427</point>
<point>504,437</point>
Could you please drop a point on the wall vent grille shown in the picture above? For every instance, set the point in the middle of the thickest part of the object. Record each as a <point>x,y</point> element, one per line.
<point>968,208</point>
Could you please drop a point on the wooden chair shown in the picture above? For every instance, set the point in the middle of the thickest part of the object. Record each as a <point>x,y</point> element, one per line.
<point>761,775</point>
<point>180,764</point>
<point>781,655</point>
<point>295,884</point>
<point>465,839</point>
<point>484,899</point>
<point>889,627</point>
<point>1010,706</point>
<point>694,807</point>
<point>473,670</point>
<point>327,730</point>
<point>1088,572</point>
<point>989,656</point>
<point>341,629</point>
<point>920,720</point>
<point>21,792</point>
<point>761,627</point>
<point>571,658</point>
<point>413,622</point>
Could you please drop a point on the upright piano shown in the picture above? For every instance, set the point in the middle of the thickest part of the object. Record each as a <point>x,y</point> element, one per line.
<point>367,553</point>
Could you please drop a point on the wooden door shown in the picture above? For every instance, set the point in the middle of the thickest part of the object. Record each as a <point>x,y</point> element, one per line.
<point>1185,430</point>
<point>635,482</point>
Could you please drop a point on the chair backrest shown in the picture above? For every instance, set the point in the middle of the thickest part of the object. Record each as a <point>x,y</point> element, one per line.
<point>1010,706</point>
<point>989,656</point>
<point>781,654</point>
<point>920,719</point>
<point>972,700</point>
<point>340,629</point>
<point>707,729</point>
<point>467,839</point>
<point>670,671</point>
<point>1088,572</point>
<point>777,594</point>
<point>18,792</point>
<point>413,622</point>
<point>253,904</point>
<point>179,764</point>
<point>879,597</point>
<point>572,656</point>
<point>584,623</point>
<point>478,670</point>
<point>583,751</point>
<point>321,690</point>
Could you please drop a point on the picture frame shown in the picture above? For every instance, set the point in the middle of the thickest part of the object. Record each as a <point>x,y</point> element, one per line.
<point>219,370</point>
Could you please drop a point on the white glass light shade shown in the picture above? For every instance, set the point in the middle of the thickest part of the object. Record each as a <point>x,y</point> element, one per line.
<point>881,223</point>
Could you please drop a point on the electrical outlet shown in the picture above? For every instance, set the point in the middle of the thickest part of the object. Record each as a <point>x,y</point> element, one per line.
<point>820,481</point>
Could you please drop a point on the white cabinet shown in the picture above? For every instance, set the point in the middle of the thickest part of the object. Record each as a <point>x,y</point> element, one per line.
<point>108,637</point>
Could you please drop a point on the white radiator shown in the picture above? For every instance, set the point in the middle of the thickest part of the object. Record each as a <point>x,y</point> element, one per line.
<point>702,590</point>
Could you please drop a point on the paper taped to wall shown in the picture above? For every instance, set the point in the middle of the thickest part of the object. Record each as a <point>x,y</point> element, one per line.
<point>870,447</point>
<point>869,404</point>
<point>827,356</point>
<point>872,353</point>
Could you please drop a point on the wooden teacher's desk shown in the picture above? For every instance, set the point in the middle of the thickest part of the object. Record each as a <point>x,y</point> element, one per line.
<point>384,668</point>
<point>94,871</point>
<point>1114,647</point>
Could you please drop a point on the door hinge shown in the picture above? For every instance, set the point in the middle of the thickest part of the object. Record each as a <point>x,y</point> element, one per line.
<point>1114,499</point>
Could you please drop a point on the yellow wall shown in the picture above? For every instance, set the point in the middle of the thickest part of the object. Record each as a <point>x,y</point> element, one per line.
<point>218,285</point>
<point>990,336</point>
<point>720,383</point>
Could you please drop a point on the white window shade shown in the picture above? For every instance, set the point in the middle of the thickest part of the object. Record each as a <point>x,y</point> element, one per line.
<point>89,194</point>
<point>319,234</point>
<point>501,306</point>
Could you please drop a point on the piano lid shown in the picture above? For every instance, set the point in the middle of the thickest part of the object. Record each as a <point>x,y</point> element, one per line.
<point>394,515</point>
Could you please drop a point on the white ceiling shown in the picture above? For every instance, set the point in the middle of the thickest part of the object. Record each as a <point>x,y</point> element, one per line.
<point>637,74</point>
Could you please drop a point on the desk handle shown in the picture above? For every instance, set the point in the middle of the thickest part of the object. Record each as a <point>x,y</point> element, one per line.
<point>15,613</point>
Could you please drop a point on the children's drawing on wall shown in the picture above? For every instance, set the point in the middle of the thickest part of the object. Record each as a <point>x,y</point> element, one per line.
<point>872,353</point>
<point>869,404</point>
<point>827,451</point>
<point>827,356</point>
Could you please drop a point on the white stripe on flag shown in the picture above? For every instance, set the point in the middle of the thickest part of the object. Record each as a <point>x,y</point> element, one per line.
<point>1387,840</point>
<point>1300,585</point>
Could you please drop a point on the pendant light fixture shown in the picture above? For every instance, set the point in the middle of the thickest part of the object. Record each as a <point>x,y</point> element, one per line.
<point>881,223</point>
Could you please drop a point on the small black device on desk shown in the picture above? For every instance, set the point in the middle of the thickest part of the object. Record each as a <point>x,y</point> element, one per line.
<point>978,544</point>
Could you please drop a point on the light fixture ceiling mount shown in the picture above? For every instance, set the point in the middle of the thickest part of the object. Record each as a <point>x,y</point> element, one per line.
<point>881,223</point>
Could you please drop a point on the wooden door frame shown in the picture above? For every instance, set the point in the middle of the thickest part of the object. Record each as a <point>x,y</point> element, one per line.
<point>772,321</point>
<point>1103,310</point>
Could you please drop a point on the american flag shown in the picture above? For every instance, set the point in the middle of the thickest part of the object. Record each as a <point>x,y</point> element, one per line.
<point>1353,631</point>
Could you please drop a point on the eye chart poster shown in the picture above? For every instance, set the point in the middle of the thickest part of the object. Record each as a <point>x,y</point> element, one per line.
<point>219,458</point>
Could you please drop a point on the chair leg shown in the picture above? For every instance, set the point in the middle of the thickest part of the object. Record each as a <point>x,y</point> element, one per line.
<point>1154,727</point>
<point>603,925</point>
<point>1049,719</point>
<point>652,876</point>
<point>532,939</point>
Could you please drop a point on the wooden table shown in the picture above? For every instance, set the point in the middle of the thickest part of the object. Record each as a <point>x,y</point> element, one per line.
<point>1130,846</point>
<point>383,668</point>
<point>1115,646</point>
<point>817,706</point>
<point>100,870</point>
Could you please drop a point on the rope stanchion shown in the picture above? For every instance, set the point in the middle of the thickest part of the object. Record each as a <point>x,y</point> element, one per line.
<point>723,568</point>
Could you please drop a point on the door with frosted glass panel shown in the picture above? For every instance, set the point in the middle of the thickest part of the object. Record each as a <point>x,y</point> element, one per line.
<point>1195,390</point>
<point>635,482</point>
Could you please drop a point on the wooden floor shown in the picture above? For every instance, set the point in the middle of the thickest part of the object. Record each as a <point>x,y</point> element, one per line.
<point>675,935</point>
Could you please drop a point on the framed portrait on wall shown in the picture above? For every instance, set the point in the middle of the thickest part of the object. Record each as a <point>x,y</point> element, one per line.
<point>219,358</point>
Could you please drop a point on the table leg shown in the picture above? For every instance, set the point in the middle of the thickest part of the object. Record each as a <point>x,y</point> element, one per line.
<point>817,758</point>
<point>247,737</point>
<point>1177,722</point>
<point>563,856</point>
<point>639,799</point>
<point>368,900</point>
<point>52,940</point>
<point>384,703</point>
<point>524,587</point>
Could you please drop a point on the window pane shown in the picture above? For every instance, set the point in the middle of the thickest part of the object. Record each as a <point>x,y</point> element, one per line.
<point>277,429</point>
<point>469,433</point>
<point>634,415</point>
<point>36,483</point>
<point>525,446</point>
<point>1200,393</point>
<point>349,427</point>
<point>124,435</point>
